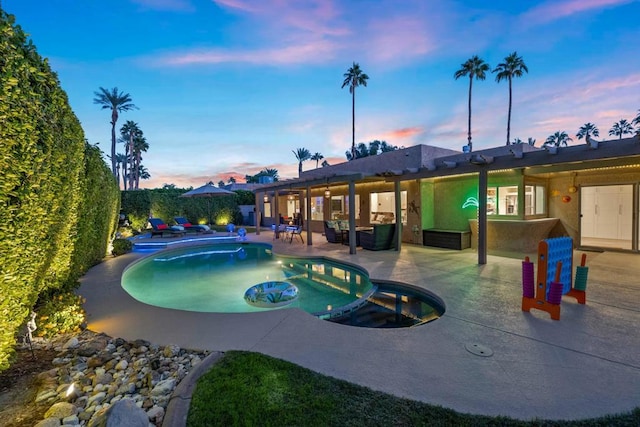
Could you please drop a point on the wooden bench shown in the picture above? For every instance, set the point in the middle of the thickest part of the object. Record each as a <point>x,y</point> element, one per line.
<point>449,239</point>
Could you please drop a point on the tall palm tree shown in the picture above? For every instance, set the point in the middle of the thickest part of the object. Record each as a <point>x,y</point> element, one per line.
<point>557,139</point>
<point>636,121</point>
<point>513,66</point>
<point>121,165</point>
<point>620,128</point>
<point>302,154</point>
<point>140,145</point>
<point>354,77</point>
<point>317,157</point>
<point>473,67</point>
<point>587,130</point>
<point>128,133</point>
<point>117,102</point>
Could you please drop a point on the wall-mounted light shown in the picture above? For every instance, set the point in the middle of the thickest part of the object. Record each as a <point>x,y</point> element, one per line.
<point>290,196</point>
<point>327,193</point>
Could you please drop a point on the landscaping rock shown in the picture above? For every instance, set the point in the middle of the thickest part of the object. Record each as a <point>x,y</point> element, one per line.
<point>106,372</point>
<point>60,410</point>
<point>124,413</point>
<point>49,422</point>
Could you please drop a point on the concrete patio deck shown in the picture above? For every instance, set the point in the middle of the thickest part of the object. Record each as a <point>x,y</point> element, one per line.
<point>585,365</point>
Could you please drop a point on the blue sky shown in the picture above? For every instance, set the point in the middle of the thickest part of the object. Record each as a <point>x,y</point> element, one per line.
<point>229,87</point>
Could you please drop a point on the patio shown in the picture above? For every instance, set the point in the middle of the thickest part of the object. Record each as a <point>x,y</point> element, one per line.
<point>585,365</point>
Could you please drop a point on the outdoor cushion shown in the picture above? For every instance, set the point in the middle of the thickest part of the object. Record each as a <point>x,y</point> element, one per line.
<point>162,226</point>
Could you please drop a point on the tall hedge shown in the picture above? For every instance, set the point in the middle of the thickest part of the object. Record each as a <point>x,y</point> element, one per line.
<point>166,203</point>
<point>47,198</point>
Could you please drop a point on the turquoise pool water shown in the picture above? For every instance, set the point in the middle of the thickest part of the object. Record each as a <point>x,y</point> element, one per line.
<point>215,277</point>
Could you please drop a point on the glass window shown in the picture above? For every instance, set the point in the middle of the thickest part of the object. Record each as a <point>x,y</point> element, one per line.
<point>340,207</point>
<point>534,200</point>
<point>383,207</point>
<point>502,200</point>
<point>267,209</point>
<point>317,208</point>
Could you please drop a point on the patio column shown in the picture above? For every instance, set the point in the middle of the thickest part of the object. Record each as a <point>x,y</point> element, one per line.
<point>276,211</point>
<point>398,233</point>
<point>482,217</point>
<point>308,215</point>
<point>352,217</point>
<point>257,216</point>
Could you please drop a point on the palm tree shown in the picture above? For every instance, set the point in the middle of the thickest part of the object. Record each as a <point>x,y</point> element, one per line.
<point>531,141</point>
<point>231,180</point>
<point>620,128</point>
<point>354,77</point>
<point>587,130</point>
<point>513,66</point>
<point>273,173</point>
<point>317,157</point>
<point>636,121</point>
<point>121,160</point>
<point>140,145</point>
<point>557,139</point>
<point>128,133</point>
<point>474,67</point>
<point>302,154</point>
<point>325,164</point>
<point>220,184</point>
<point>117,102</point>
<point>143,173</point>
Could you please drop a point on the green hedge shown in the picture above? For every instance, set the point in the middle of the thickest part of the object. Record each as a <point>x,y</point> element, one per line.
<point>166,203</point>
<point>51,207</point>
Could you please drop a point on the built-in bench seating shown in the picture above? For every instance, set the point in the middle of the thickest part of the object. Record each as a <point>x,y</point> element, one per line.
<point>448,239</point>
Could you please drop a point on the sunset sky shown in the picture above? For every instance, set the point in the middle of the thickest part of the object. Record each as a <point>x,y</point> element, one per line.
<point>229,87</point>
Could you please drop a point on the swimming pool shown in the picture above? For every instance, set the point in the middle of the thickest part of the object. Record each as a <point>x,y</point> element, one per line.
<point>225,278</point>
<point>215,278</point>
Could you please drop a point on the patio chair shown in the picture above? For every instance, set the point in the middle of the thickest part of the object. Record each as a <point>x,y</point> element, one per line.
<point>159,228</point>
<point>295,232</point>
<point>332,234</point>
<point>379,239</point>
<point>188,227</point>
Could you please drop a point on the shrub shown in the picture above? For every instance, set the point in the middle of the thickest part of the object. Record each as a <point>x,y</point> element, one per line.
<point>59,313</point>
<point>121,247</point>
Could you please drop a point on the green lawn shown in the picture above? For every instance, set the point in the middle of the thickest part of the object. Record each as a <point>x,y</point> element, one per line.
<point>252,389</point>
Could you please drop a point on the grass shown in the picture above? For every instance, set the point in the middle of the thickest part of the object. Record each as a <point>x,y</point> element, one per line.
<point>249,389</point>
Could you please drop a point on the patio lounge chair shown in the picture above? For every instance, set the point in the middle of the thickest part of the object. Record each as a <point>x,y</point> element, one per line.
<point>160,228</point>
<point>188,227</point>
<point>332,234</point>
<point>379,239</point>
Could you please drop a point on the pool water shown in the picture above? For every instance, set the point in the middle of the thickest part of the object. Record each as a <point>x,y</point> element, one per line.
<point>215,277</point>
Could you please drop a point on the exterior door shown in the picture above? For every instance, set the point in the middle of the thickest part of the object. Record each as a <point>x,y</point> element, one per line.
<point>607,216</point>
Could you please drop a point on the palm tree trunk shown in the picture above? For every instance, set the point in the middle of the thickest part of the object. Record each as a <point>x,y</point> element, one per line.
<point>509,115</point>
<point>113,146</point>
<point>138,170</point>
<point>131,159</point>
<point>353,123</point>
<point>469,128</point>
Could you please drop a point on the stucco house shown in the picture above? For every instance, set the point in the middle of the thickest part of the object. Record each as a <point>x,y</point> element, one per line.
<point>499,199</point>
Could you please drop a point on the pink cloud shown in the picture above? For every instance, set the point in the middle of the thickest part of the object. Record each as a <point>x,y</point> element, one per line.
<point>316,52</point>
<point>398,37</point>
<point>404,133</point>
<point>554,10</point>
